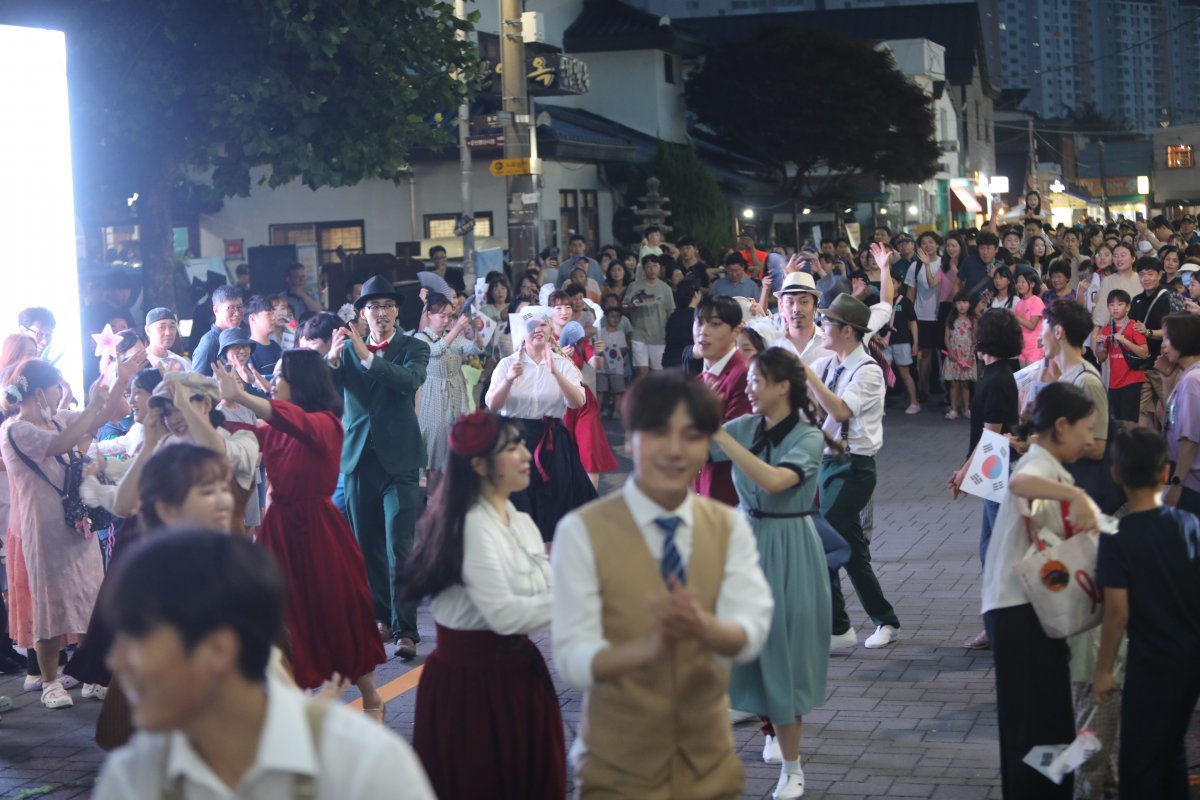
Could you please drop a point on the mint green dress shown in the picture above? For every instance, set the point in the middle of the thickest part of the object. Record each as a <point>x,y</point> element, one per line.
<point>787,680</point>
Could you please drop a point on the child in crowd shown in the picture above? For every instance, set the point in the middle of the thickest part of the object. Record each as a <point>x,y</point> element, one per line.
<point>1118,338</point>
<point>1150,573</point>
<point>899,339</point>
<point>610,381</point>
<point>1029,310</point>
<point>958,368</point>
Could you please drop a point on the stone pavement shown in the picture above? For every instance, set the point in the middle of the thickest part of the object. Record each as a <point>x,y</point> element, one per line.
<point>914,720</point>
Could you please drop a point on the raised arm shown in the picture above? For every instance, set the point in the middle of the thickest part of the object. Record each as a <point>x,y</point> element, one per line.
<point>772,479</point>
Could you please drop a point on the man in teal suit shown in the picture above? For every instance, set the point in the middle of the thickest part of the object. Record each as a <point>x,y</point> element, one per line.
<point>382,454</point>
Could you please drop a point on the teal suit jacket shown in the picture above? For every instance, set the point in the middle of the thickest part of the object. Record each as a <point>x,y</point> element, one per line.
<point>380,405</point>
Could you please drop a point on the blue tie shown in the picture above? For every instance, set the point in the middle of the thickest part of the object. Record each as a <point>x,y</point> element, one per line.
<point>837,373</point>
<point>672,562</point>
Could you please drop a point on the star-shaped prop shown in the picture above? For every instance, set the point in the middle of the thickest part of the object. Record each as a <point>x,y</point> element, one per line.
<point>106,342</point>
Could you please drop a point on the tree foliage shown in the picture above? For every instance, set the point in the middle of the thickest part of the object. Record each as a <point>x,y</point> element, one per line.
<point>330,92</point>
<point>695,200</point>
<point>806,101</point>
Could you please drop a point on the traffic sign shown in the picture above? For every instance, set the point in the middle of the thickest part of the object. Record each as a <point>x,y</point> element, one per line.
<point>503,167</point>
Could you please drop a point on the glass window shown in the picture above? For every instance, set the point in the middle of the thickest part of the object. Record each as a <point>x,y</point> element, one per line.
<point>1180,156</point>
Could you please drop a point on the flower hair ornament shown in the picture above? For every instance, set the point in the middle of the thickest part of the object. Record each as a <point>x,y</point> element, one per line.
<point>17,390</point>
<point>473,434</point>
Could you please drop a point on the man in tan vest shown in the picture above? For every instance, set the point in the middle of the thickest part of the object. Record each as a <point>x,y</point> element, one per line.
<point>654,588</point>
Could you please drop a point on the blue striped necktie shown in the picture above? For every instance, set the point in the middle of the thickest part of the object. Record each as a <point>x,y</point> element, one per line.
<point>672,562</point>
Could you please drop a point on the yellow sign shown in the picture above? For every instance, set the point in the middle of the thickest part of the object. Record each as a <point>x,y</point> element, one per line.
<point>503,167</point>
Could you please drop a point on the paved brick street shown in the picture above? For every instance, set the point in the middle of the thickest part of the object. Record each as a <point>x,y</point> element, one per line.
<point>913,720</point>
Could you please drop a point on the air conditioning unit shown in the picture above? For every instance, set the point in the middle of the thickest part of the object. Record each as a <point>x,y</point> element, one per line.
<point>949,145</point>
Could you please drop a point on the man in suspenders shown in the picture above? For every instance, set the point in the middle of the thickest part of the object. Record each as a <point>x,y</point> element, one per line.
<point>850,386</point>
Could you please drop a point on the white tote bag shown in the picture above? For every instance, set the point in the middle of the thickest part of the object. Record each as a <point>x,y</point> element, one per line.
<point>1059,576</point>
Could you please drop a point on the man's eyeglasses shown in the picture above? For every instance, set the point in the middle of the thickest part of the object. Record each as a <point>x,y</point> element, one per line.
<point>381,306</point>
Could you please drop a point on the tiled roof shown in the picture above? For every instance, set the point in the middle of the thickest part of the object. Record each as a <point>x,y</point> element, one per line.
<point>610,25</point>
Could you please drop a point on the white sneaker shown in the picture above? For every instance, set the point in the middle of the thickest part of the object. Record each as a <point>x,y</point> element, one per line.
<point>839,640</point>
<point>882,637</point>
<point>771,751</point>
<point>737,717</point>
<point>915,408</point>
<point>94,691</point>
<point>55,696</point>
<point>791,785</point>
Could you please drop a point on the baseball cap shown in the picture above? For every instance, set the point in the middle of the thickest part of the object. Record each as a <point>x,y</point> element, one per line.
<point>159,314</point>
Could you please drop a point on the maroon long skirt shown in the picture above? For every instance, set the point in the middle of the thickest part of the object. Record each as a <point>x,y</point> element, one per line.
<point>487,721</point>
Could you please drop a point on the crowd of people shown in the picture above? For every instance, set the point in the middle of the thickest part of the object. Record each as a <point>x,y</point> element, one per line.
<point>213,526</point>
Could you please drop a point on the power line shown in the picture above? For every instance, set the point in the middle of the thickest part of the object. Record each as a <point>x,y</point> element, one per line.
<point>1112,53</point>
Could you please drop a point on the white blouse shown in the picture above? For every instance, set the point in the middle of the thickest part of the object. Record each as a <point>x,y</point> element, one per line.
<point>506,576</point>
<point>536,393</point>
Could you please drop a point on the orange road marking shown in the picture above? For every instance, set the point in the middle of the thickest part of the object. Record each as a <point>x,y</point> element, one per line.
<point>394,688</point>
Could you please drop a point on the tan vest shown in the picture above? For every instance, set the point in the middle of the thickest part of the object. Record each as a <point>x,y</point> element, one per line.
<point>679,706</point>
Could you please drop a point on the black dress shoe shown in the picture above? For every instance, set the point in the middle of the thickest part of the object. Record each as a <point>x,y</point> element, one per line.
<point>406,649</point>
<point>10,666</point>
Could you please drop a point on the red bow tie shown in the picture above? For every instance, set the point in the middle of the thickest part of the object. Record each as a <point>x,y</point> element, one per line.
<point>378,348</point>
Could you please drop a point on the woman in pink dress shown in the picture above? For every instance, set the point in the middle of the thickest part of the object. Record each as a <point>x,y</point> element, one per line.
<point>54,594</point>
<point>330,618</point>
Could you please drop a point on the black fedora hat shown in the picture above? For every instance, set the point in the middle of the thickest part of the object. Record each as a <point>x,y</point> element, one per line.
<point>376,286</point>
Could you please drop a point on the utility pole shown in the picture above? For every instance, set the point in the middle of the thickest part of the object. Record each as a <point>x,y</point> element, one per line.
<point>464,156</point>
<point>522,191</point>
<point>1103,181</point>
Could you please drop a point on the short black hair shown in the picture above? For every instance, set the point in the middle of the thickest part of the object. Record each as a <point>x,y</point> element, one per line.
<point>1139,455</point>
<point>1072,317</point>
<point>998,334</point>
<point>146,379</point>
<point>198,582</point>
<point>257,304</point>
<point>651,229</point>
<point>574,289</point>
<point>1160,221</point>
<point>1118,294</point>
<point>577,237</point>
<point>1060,267</point>
<point>171,473</point>
<point>1072,232</point>
<point>734,259</point>
<point>437,248</point>
<point>1060,400</point>
<point>320,326</point>
<point>684,292</point>
<point>1147,263</point>
<point>684,241</point>
<point>28,317</point>
<point>652,400</point>
<point>987,237</point>
<point>726,309</point>
<point>225,294</point>
<point>1183,329</point>
<point>293,267</point>
<point>655,257</point>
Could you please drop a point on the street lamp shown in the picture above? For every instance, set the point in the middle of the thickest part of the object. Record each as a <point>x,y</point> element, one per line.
<point>913,211</point>
<point>747,213</point>
<point>806,211</point>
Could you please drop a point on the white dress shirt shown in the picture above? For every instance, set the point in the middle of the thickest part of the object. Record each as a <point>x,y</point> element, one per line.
<point>1010,539</point>
<point>366,362</point>
<point>861,388</point>
<point>813,352</point>
<point>356,760</point>
<point>535,393</point>
<point>505,572</point>
<point>719,367</point>
<point>576,625</point>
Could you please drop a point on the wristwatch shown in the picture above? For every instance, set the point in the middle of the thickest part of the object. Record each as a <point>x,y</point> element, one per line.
<point>1174,480</point>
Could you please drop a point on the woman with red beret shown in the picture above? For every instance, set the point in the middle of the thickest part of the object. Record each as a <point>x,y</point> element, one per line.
<point>484,564</point>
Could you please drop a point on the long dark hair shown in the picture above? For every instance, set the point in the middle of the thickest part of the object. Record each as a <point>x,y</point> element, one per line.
<point>311,381</point>
<point>435,562</point>
<point>171,473</point>
<point>961,241</point>
<point>779,365</point>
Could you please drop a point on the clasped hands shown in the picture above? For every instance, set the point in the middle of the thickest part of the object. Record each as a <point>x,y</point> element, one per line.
<point>677,617</point>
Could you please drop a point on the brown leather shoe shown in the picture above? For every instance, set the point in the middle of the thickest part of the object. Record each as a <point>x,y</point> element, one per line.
<point>407,649</point>
<point>978,642</point>
<point>385,631</point>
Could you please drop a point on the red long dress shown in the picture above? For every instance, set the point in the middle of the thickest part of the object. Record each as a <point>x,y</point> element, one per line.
<point>330,616</point>
<point>585,425</point>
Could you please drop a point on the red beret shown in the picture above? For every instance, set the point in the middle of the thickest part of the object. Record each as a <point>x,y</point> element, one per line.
<point>473,434</point>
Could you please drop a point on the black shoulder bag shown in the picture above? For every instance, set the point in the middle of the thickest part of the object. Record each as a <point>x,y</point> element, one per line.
<point>79,515</point>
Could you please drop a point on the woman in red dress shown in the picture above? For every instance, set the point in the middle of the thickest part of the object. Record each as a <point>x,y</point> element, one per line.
<point>330,618</point>
<point>584,422</point>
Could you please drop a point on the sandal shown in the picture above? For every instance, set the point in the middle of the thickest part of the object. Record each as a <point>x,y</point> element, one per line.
<point>55,696</point>
<point>952,414</point>
<point>377,714</point>
<point>94,691</point>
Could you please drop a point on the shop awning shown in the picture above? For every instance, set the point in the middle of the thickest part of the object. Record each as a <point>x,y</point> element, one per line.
<point>966,199</point>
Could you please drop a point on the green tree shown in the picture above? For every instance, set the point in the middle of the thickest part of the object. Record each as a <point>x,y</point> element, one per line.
<point>805,102</point>
<point>695,200</point>
<point>167,92</point>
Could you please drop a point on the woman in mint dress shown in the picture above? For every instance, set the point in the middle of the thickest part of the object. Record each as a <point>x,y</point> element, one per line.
<point>776,452</point>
